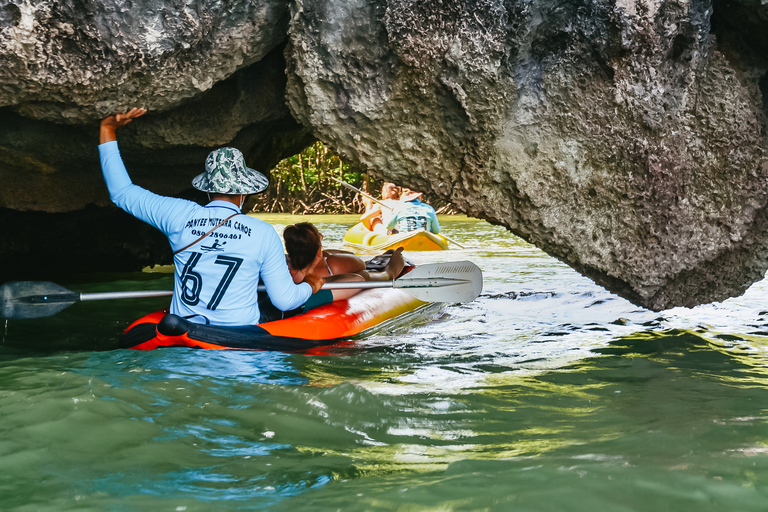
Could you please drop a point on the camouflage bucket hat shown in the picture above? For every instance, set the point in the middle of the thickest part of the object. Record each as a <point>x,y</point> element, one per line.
<point>226,173</point>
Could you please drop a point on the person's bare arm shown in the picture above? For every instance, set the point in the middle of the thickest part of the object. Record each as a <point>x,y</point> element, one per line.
<point>344,263</point>
<point>110,124</point>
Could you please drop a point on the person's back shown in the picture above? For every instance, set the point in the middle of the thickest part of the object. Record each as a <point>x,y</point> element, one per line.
<point>412,214</point>
<point>216,277</point>
<point>219,253</point>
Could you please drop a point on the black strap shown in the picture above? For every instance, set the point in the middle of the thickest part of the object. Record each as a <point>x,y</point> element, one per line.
<point>207,322</point>
<point>205,235</point>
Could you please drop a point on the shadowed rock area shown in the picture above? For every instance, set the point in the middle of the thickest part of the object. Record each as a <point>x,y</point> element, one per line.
<point>212,75</point>
<point>625,138</point>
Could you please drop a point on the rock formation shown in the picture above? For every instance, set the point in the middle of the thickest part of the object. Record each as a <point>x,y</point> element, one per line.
<point>625,138</point>
<point>211,76</point>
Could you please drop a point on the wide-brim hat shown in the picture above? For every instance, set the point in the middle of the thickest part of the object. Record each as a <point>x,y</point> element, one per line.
<point>409,195</point>
<point>226,173</point>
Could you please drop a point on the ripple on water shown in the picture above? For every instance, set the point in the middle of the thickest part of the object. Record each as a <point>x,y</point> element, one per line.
<point>546,392</point>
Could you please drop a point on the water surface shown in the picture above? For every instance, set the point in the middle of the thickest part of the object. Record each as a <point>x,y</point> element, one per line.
<point>547,393</point>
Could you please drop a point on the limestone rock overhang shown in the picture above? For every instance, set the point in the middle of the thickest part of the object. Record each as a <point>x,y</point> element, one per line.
<point>626,138</point>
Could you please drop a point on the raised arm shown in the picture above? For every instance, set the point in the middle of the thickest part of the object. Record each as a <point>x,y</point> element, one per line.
<point>115,174</point>
<point>110,124</point>
<point>156,210</point>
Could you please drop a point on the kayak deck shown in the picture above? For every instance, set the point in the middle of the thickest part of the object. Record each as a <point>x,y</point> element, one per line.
<point>360,237</point>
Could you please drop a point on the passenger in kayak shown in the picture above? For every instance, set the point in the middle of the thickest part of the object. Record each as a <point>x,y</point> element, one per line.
<point>306,256</point>
<point>219,253</point>
<point>374,213</point>
<point>412,214</point>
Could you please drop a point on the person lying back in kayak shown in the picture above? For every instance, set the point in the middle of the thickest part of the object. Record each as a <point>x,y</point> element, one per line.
<point>218,252</point>
<point>373,216</point>
<point>306,256</point>
<point>412,214</point>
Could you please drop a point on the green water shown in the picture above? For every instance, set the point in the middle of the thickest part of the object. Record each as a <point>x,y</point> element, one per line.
<point>546,394</point>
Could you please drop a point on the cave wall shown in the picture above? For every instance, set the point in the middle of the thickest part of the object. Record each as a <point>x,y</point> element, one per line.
<point>52,167</point>
<point>617,136</point>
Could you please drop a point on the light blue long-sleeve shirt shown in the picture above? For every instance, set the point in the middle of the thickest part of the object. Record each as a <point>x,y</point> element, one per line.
<point>216,278</point>
<point>413,215</point>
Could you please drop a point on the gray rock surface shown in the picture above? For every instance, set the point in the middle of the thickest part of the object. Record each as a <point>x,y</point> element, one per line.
<point>624,137</point>
<point>74,61</point>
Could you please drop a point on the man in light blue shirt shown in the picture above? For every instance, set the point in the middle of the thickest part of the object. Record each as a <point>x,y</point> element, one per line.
<point>219,253</point>
<point>412,214</point>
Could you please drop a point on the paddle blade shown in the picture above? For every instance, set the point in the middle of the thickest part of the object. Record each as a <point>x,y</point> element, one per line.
<point>34,299</point>
<point>454,281</point>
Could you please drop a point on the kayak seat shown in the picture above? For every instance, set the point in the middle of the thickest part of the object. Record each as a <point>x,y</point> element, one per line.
<point>379,263</point>
<point>173,325</point>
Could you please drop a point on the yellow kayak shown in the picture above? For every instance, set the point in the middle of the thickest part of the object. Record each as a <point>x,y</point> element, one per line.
<point>359,237</point>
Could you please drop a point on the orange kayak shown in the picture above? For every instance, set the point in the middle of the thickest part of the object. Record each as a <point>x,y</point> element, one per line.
<point>339,321</point>
<point>360,237</point>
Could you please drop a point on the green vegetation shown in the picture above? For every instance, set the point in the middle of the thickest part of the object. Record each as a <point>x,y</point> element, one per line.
<point>303,184</point>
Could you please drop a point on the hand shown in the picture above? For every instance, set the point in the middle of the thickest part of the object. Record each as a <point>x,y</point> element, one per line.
<point>111,123</point>
<point>297,275</point>
<point>315,282</point>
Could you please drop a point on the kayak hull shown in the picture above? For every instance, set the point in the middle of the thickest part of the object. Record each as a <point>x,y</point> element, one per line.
<point>326,325</point>
<point>360,237</point>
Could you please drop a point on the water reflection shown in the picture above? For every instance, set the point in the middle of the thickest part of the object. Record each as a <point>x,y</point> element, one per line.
<point>546,392</point>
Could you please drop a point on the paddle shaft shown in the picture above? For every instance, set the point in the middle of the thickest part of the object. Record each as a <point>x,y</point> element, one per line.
<point>452,240</point>
<point>125,295</point>
<point>349,285</point>
<point>369,196</point>
<point>457,281</point>
<point>48,298</point>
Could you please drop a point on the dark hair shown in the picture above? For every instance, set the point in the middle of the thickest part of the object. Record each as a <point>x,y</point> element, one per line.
<point>302,241</point>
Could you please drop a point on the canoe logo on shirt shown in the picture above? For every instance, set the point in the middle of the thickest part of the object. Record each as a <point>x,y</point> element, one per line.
<point>214,247</point>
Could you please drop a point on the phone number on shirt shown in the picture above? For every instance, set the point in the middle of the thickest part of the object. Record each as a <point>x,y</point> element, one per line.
<point>233,236</point>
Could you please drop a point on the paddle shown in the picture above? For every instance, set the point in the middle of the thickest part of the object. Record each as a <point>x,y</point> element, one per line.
<point>387,207</point>
<point>457,281</point>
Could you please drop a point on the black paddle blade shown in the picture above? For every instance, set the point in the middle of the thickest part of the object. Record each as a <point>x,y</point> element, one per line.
<point>34,299</point>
